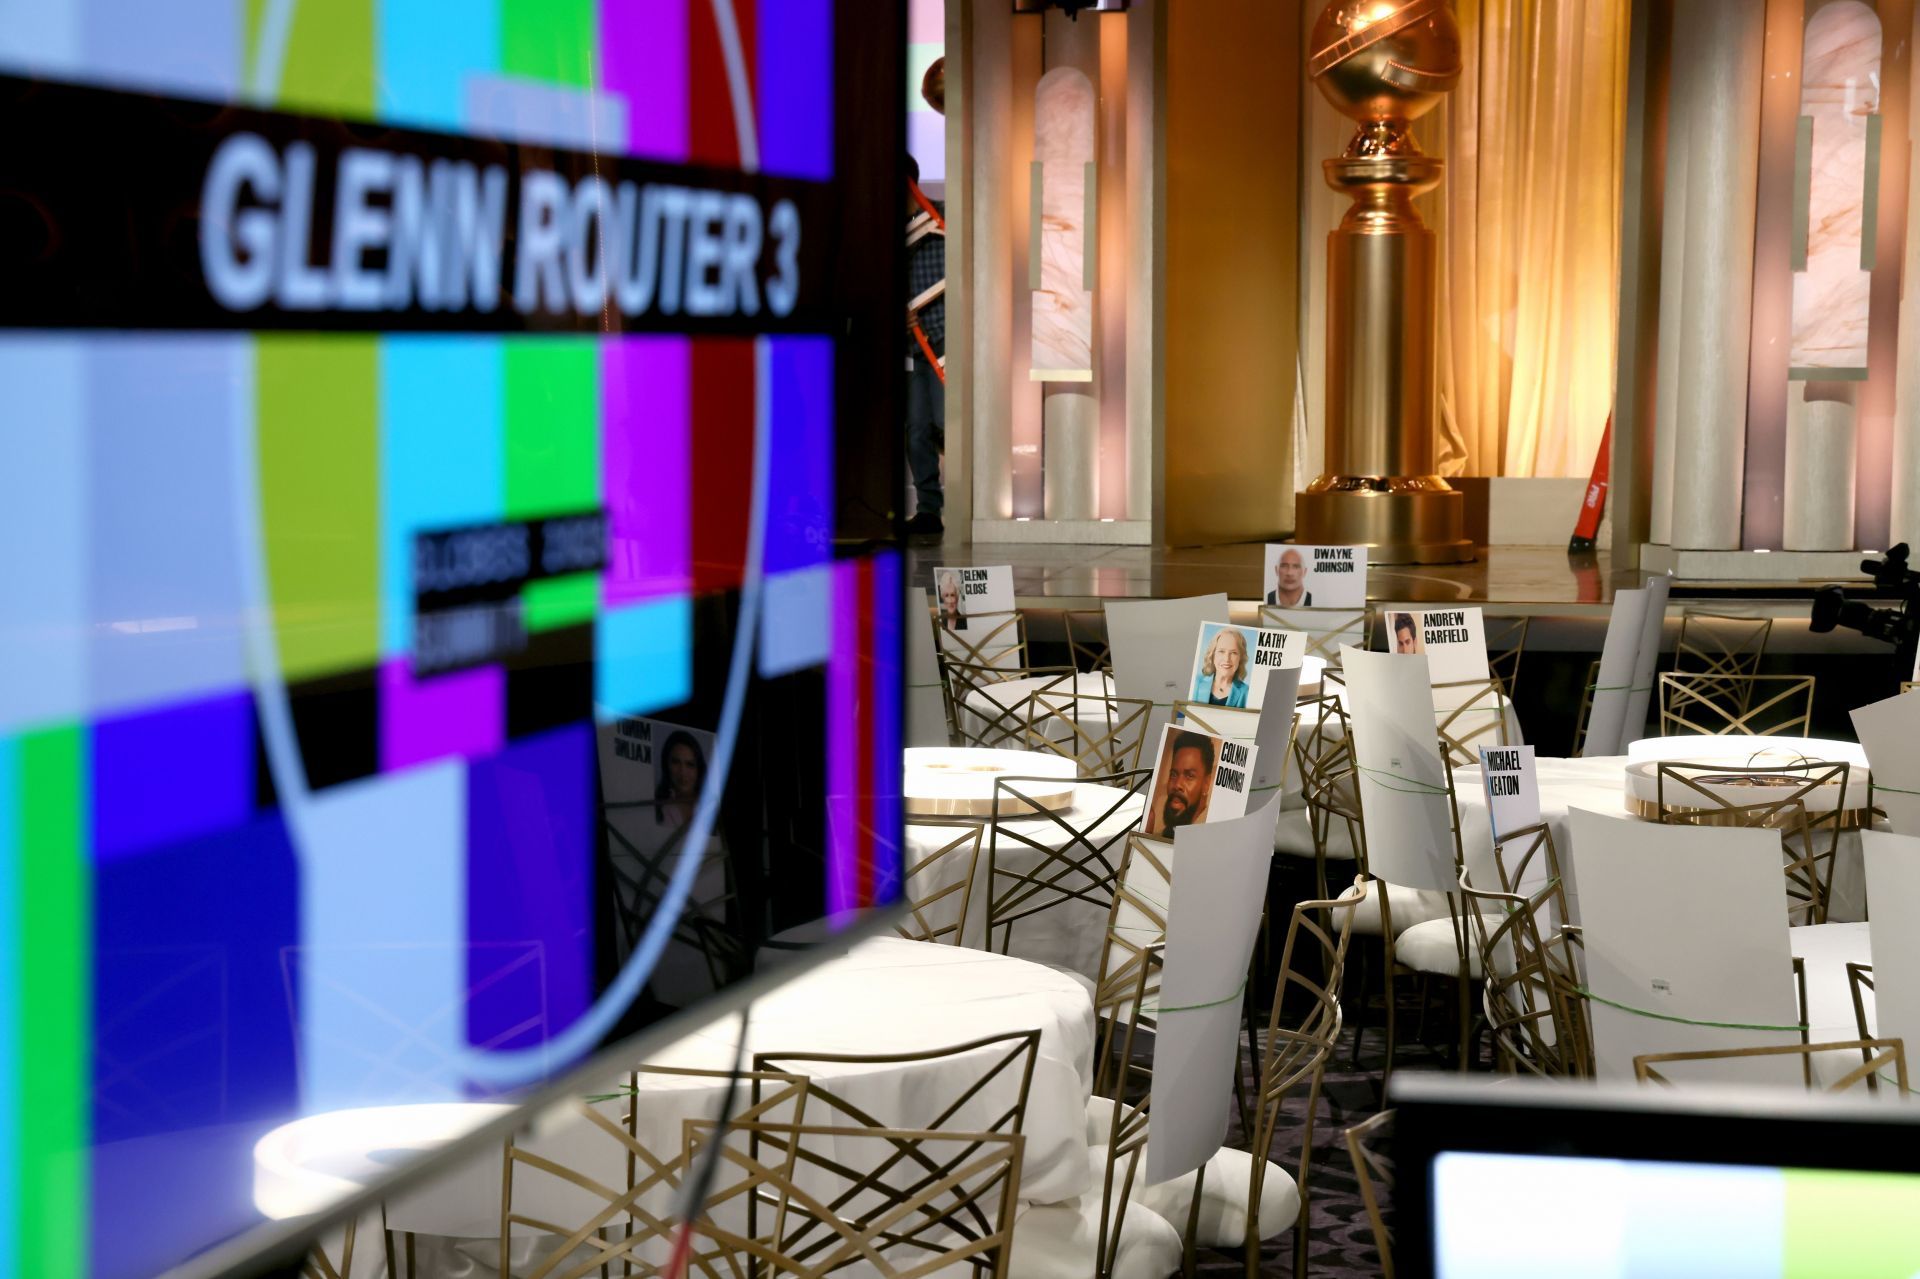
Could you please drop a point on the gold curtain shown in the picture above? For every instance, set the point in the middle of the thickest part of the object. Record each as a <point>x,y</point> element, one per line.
<point>1529,223</point>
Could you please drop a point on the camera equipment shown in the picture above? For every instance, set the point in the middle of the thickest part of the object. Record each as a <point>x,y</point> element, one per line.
<point>1897,626</point>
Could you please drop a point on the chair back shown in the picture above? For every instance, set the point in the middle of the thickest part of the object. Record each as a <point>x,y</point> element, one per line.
<point>1731,705</point>
<point>1087,645</point>
<point>1529,957</point>
<point>1326,629</point>
<point>1883,1062</point>
<point>1506,642</point>
<point>897,1203</point>
<point>632,1225</point>
<point>984,706</point>
<point>1102,732</point>
<point>986,639</point>
<point>1330,784</point>
<point>1373,1170</point>
<point>707,928</point>
<point>983,1103</point>
<point>940,884</point>
<point>1584,716</point>
<point>1039,859</point>
<point>1136,930</point>
<point>1766,799</point>
<point>1470,715</point>
<point>1716,645</point>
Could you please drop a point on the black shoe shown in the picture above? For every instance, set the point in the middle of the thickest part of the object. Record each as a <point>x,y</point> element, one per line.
<point>925,524</point>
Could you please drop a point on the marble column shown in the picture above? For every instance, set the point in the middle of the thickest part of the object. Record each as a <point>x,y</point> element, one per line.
<point>990,201</point>
<point>1064,121</point>
<point>1906,414</point>
<point>1673,250</point>
<point>1817,510</point>
<point>1717,85</point>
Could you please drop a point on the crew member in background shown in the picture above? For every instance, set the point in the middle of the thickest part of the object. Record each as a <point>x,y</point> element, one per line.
<point>926,392</point>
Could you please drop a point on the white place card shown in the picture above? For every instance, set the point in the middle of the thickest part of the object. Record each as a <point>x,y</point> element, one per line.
<point>1152,646</point>
<point>1198,778</point>
<point>1607,716</point>
<point>963,592</point>
<point>1893,932</point>
<point>1315,576</point>
<point>1511,783</point>
<point>1232,664</point>
<point>1403,783</point>
<point>1454,640</point>
<point>926,711</point>
<point>1685,931</point>
<point>1890,733</point>
<point>1213,919</point>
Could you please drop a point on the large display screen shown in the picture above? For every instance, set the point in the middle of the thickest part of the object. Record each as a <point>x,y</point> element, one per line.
<point>447,614</point>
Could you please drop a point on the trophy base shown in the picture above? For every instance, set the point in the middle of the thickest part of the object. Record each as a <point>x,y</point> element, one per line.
<point>1422,526</point>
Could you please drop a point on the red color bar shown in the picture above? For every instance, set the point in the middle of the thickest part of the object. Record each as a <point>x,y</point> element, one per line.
<point>723,403</point>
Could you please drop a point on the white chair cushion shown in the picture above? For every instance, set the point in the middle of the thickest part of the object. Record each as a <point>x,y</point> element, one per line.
<point>1410,906</point>
<point>1293,837</point>
<point>1223,1197</point>
<point>1058,1241</point>
<point>1100,1120</point>
<point>1429,947</point>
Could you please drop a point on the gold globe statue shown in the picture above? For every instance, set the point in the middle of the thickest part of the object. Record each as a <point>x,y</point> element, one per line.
<point>1384,63</point>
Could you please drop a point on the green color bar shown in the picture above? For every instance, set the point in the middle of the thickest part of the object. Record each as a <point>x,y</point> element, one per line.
<point>56,1005</point>
<point>1850,1223</point>
<point>318,419</point>
<point>327,66</point>
<point>552,40</point>
<point>552,426</point>
<point>553,602</point>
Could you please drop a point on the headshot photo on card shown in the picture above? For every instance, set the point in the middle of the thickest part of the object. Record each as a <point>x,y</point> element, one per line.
<point>1197,777</point>
<point>1403,633</point>
<point>1314,576</point>
<point>1231,664</point>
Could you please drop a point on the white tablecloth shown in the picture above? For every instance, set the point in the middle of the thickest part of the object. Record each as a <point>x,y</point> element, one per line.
<point>887,995</point>
<point>1599,785</point>
<point>1072,934</point>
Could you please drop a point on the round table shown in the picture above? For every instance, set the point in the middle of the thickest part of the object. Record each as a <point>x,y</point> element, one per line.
<point>960,781</point>
<point>1073,934</point>
<point>886,995</point>
<point>1600,784</point>
<point>996,699</point>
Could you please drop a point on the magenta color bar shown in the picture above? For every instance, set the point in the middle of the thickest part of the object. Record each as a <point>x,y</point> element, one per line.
<point>463,713</point>
<point>844,747</point>
<point>646,466</point>
<point>643,58</point>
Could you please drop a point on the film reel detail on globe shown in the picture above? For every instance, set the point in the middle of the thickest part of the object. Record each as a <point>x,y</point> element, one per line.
<point>1385,61</point>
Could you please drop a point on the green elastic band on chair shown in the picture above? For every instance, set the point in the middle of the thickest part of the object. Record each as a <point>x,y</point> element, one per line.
<point>1897,790</point>
<point>1684,1021</point>
<point>1414,786</point>
<point>1211,1003</point>
<point>1618,688</point>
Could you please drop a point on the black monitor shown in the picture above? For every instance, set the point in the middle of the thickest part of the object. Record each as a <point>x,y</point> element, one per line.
<point>1520,1177</point>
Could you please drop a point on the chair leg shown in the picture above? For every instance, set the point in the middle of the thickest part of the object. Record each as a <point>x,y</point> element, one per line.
<point>1360,1003</point>
<point>1190,1249</point>
<point>1393,1039</point>
<point>1464,986</point>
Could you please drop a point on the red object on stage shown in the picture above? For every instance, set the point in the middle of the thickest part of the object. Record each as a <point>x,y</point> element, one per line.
<point>1588,525</point>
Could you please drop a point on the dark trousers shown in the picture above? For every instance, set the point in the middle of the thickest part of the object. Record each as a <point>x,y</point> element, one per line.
<point>926,433</point>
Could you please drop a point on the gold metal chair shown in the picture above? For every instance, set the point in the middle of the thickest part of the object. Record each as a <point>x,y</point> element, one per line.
<point>983,711</point>
<point>1137,923</point>
<point>709,925</point>
<point>940,914</point>
<point>633,1226</point>
<point>1696,795</point>
<point>1374,1173</point>
<point>986,1107</point>
<point>1584,716</point>
<point>1878,1056</point>
<point>1470,715</point>
<point>989,639</point>
<point>1102,732</point>
<point>1717,646</point>
<point>832,1206</point>
<point>1329,786</point>
<point>1506,643</point>
<point>1087,644</point>
<point>1535,1013</point>
<point>1326,629</point>
<point>1732,705</point>
<point>1039,860</point>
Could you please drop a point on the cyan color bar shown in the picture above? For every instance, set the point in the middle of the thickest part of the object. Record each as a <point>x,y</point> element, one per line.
<point>442,455</point>
<point>428,51</point>
<point>643,657</point>
<point>383,970</point>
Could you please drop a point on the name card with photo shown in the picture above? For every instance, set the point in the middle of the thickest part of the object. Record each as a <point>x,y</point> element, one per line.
<point>961,592</point>
<point>1512,786</point>
<point>1315,576</point>
<point>1197,778</point>
<point>1231,664</point>
<point>1454,640</point>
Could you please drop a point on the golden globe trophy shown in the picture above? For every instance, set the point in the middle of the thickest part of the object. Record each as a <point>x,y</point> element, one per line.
<point>1384,63</point>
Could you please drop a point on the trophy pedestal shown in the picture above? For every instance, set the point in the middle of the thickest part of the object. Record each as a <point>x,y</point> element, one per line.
<point>1406,523</point>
